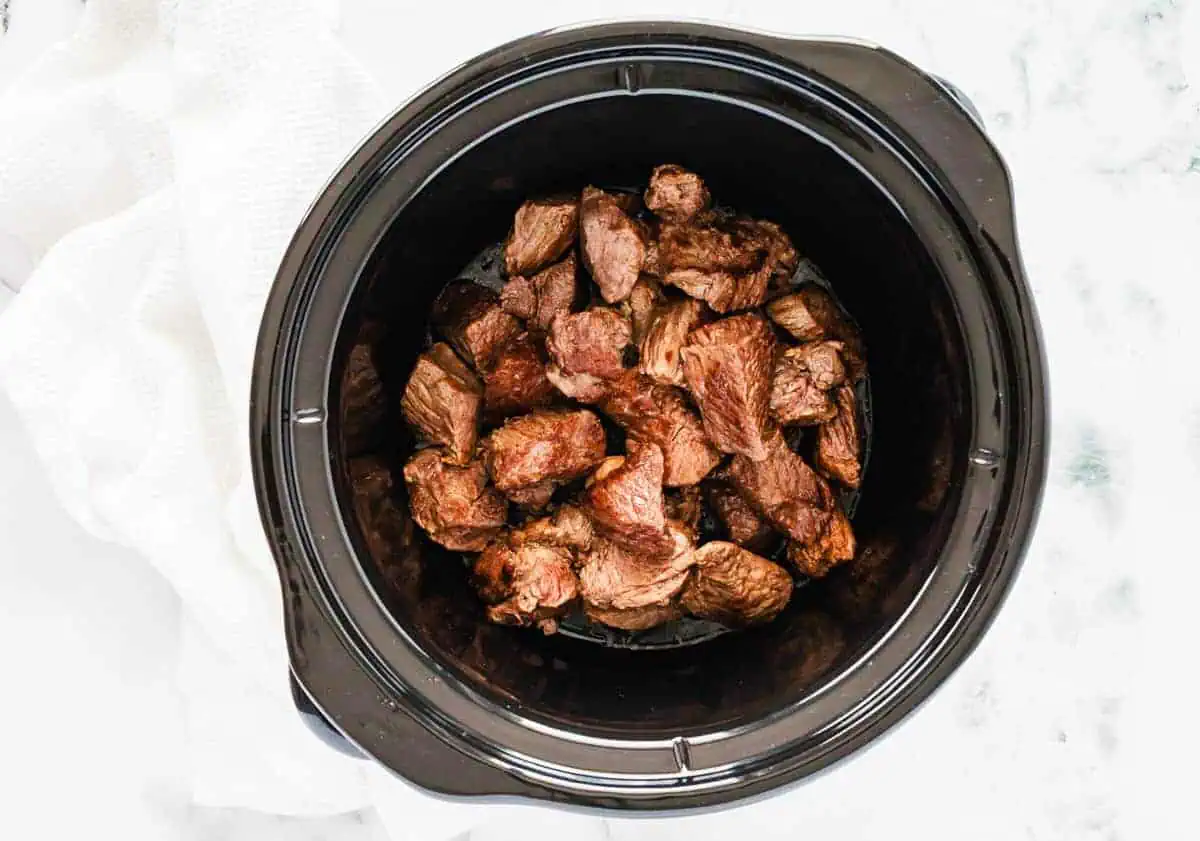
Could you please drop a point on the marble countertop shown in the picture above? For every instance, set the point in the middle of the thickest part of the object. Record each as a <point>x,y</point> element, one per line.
<point>1040,735</point>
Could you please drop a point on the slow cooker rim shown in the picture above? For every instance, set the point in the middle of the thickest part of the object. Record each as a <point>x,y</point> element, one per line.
<point>265,393</point>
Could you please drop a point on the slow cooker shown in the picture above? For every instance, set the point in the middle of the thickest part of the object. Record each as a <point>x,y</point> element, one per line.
<point>883,177</point>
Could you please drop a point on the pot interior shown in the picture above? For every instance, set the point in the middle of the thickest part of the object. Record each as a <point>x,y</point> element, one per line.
<point>840,219</point>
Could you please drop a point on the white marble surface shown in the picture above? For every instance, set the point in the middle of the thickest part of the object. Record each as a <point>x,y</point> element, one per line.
<point>1061,724</point>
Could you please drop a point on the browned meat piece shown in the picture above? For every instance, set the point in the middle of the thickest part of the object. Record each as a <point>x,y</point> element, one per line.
<point>728,263</point>
<point>667,335</point>
<point>684,505</point>
<point>517,382</point>
<point>363,403</point>
<point>802,380</point>
<point>568,528</point>
<point>745,526</point>
<point>587,349</point>
<point>784,489</point>
<point>538,299</point>
<point>735,587</point>
<point>834,546</point>
<point>542,231</point>
<point>619,584</point>
<point>452,504</point>
<point>441,401</point>
<point>727,365</point>
<point>534,497</point>
<point>626,503</point>
<point>613,244</point>
<point>525,583</point>
<point>470,317</point>
<point>676,194</point>
<point>544,446</point>
<point>640,306</point>
<point>839,451</point>
<point>659,414</point>
<point>810,314</point>
<point>386,527</point>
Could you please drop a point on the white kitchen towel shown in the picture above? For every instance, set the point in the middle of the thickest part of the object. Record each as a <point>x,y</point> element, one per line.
<point>152,170</point>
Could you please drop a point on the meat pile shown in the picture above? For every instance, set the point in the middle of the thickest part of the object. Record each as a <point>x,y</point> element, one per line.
<point>647,360</point>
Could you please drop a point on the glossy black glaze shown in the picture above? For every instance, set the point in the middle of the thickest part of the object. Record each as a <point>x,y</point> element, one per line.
<point>888,184</point>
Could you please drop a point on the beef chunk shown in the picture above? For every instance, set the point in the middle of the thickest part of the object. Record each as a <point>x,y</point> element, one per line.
<point>810,314</point>
<point>533,497</point>
<point>542,231</point>
<point>839,450</point>
<point>441,401</point>
<point>568,528</point>
<point>385,525</point>
<point>613,244</point>
<point>620,585</point>
<point>659,414</point>
<point>834,546</point>
<point>517,382</point>
<point>745,526</point>
<point>664,339</point>
<point>727,366</point>
<point>784,489</point>
<point>676,194</point>
<point>684,506</point>
<point>470,318</point>
<point>640,306</point>
<point>363,403</point>
<point>544,446</point>
<point>526,583</point>
<point>453,504</point>
<point>626,501</point>
<point>587,349</point>
<point>802,381</point>
<point>728,263</point>
<point>735,587</point>
<point>539,298</point>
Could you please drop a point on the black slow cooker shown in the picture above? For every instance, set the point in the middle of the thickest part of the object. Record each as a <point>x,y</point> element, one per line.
<point>883,177</point>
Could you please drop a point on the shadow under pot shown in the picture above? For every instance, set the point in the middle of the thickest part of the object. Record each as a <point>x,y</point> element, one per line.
<point>882,177</point>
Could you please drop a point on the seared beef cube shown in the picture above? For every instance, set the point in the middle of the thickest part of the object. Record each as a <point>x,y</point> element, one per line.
<point>659,414</point>
<point>728,263</point>
<point>624,588</point>
<point>626,503</point>
<point>534,497</point>
<point>641,305</point>
<point>525,583</point>
<point>363,402</point>
<point>613,244</point>
<point>544,446</point>
<point>542,231</point>
<point>539,298</point>
<point>587,349</point>
<point>470,317</point>
<point>676,194</point>
<point>745,526</point>
<point>666,336</point>
<point>810,314</point>
<point>784,489</point>
<point>839,451</point>
<point>684,505</point>
<point>727,366</point>
<point>834,546</point>
<point>802,381</point>
<point>568,528</point>
<point>735,587</point>
<point>385,525</point>
<point>441,401</point>
<point>517,382</point>
<point>453,504</point>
